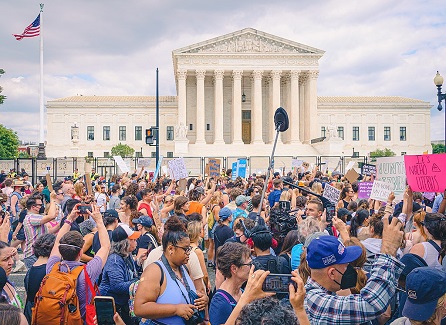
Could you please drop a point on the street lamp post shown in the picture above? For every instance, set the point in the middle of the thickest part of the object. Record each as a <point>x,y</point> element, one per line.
<point>438,81</point>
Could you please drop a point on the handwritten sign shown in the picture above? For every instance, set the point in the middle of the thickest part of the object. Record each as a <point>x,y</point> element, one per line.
<point>121,164</point>
<point>213,167</point>
<point>352,175</point>
<point>364,190</point>
<point>381,190</point>
<point>331,193</point>
<point>177,168</point>
<point>392,170</point>
<point>368,170</point>
<point>144,162</point>
<point>295,163</point>
<point>426,173</point>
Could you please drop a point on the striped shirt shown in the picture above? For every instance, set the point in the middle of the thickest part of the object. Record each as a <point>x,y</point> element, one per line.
<point>325,307</point>
<point>32,229</point>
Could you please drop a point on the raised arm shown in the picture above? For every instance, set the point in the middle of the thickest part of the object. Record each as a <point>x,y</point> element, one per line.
<point>64,229</point>
<point>104,240</point>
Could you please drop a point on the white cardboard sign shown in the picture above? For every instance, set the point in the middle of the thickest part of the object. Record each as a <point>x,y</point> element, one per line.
<point>381,190</point>
<point>121,164</point>
<point>178,168</point>
<point>331,193</point>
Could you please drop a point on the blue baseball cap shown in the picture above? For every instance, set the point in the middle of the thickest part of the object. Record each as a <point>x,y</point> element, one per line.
<point>325,251</point>
<point>144,221</point>
<point>424,286</point>
<point>225,213</point>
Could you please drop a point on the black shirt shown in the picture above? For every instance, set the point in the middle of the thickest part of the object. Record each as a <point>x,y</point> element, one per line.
<point>96,243</point>
<point>275,264</point>
<point>221,234</point>
<point>36,273</point>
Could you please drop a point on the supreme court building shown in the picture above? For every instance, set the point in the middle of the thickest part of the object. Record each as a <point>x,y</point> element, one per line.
<point>227,91</point>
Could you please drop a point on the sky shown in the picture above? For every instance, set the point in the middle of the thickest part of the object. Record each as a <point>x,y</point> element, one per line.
<point>110,47</point>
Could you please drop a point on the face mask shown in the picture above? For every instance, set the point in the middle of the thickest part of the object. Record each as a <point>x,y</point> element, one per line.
<point>349,278</point>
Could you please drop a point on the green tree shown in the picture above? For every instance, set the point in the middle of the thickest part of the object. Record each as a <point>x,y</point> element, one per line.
<point>381,153</point>
<point>2,97</point>
<point>438,148</point>
<point>23,154</point>
<point>122,150</point>
<point>9,143</point>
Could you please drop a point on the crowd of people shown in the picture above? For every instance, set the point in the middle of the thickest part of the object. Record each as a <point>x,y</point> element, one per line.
<point>156,247</point>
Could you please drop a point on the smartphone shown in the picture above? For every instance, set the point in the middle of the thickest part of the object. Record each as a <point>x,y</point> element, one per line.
<point>330,212</point>
<point>173,192</point>
<point>83,208</point>
<point>277,283</point>
<point>105,310</point>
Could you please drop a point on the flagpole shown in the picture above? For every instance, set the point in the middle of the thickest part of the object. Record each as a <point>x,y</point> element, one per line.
<point>41,153</point>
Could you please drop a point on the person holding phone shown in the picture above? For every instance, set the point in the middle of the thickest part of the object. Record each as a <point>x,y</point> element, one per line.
<point>162,293</point>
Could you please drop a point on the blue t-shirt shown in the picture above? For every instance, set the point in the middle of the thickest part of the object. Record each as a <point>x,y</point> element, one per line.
<point>222,304</point>
<point>274,197</point>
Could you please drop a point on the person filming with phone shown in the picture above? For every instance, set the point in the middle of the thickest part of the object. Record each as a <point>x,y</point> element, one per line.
<point>329,261</point>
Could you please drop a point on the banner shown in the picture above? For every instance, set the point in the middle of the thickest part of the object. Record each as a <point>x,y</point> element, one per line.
<point>331,193</point>
<point>295,163</point>
<point>241,168</point>
<point>121,164</point>
<point>234,171</point>
<point>364,190</point>
<point>381,190</point>
<point>392,170</point>
<point>144,162</point>
<point>368,170</point>
<point>350,165</point>
<point>177,168</point>
<point>158,166</point>
<point>426,173</point>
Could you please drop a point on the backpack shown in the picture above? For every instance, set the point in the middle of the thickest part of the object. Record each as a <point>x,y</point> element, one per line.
<point>211,218</point>
<point>56,302</point>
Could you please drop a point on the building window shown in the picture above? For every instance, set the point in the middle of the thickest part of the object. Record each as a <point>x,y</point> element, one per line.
<point>371,133</point>
<point>106,133</point>
<point>169,133</point>
<point>356,133</point>
<point>208,127</point>
<point>90,133</point>
<point>153,154</point>
<point>387,133</point>
<point>106,154</point>
<point>403,153</point>
<point>403,133</point>
<point>341,132</point>
<point>122,133</point>
<point>138,154</point>
<point>170,154</point>
<point>323,131</point>
<point>90,154</point>
<point>191,127</point>
<point>138,133</point>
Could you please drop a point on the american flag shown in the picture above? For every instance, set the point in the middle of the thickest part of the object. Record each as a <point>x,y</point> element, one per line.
<point>32,30</point>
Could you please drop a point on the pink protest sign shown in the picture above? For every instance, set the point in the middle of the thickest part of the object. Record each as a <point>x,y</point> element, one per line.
<point>426,173</point>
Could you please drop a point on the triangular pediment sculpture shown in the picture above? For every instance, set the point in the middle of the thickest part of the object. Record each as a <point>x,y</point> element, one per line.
<point>248,40</point>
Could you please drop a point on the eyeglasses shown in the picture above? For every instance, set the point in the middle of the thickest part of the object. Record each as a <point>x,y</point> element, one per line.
<point>187,249</point>
<point>39,205</point>
<point>60,193</point>
<point>246,264</point>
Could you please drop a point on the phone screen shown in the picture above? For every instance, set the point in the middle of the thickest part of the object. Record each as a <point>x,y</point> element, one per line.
<point>105,310</point>
<point>330,213</point>
<point>277,283</point>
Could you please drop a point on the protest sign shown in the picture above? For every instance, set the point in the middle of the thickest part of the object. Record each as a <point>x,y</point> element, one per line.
<point>352,175</point>
<point>121,164</point>
<point>144,162</point>
<point>331,193</point>
<point>158,166</point>
<point>364,190</point>
<point>392,170</point>
<point>350,165</point>
<point>426,173</point>
<point>234,171</point>
<point>213,167</point>
<point>177,168</point>
<point>182,184</point>
<point>368,170</point>
<point>241,168</point>
<point>295,163</point>
<point>381,190</point>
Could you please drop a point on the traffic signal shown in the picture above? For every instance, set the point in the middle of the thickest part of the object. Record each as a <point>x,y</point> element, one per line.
<point>149,136</point>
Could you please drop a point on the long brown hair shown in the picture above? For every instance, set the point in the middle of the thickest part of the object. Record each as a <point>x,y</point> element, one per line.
<point>358,264</point>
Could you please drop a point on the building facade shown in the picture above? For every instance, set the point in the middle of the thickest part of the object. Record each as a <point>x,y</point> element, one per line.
<point>227,91</point>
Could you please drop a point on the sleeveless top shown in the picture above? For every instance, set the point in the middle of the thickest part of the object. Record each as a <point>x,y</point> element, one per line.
<point>172,295</point>
<point>431,256</point>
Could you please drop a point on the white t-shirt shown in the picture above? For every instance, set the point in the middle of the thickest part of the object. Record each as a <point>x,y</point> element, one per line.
<point>193,265</point>
<point>101,201</point>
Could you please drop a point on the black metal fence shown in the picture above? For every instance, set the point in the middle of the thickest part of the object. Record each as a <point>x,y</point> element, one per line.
<point>59,168</point>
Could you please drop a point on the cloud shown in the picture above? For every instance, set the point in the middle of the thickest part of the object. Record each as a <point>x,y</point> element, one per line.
<point>113,47</point>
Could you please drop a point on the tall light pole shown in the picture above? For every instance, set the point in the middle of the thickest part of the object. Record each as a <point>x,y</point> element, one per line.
<point>438,81</point>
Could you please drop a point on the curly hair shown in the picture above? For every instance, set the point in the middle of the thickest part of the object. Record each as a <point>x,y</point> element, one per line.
<point>43,245</point>
<point>131,201</point>
<point>132,189</point>
<point>231,254</point>
<point>174,231</point>
<point>266,311</point>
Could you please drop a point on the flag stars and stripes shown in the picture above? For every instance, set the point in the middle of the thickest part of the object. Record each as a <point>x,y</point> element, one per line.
<point>30,31</point>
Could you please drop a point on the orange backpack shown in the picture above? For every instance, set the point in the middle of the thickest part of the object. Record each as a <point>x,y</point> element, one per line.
<point>56,302</point>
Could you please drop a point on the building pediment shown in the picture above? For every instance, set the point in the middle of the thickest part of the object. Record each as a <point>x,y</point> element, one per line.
<point>249,40</point>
